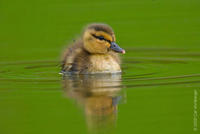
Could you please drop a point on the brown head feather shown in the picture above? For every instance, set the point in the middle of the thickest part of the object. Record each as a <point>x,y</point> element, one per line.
<point>101,27</point>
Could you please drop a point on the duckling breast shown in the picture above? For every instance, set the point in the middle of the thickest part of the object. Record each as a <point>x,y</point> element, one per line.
<point>103,63</point>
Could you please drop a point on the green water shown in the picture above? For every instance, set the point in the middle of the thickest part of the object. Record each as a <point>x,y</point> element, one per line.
<point>158,91</point>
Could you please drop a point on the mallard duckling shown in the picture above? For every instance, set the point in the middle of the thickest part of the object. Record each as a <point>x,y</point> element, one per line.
<point>94,52</point>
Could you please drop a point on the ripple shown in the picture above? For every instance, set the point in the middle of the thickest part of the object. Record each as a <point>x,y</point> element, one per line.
<point>138,67</point>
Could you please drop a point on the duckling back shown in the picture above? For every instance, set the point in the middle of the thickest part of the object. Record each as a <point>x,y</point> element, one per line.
<point>75,58</point>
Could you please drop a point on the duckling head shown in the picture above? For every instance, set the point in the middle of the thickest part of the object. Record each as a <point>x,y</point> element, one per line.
<point>100,39</point>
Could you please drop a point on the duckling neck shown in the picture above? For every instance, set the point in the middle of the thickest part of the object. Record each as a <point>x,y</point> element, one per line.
<point>104,63</point>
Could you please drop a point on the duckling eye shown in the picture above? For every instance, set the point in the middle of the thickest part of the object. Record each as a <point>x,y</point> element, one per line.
<point>100,37</point>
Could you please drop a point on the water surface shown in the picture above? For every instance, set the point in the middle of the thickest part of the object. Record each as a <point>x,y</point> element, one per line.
<point>155,93</point>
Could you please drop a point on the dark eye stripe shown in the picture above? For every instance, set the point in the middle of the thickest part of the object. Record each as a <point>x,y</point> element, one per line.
<point>101,38</point>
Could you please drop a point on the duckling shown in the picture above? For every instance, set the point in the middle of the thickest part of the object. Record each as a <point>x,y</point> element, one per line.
<point>94,52</point>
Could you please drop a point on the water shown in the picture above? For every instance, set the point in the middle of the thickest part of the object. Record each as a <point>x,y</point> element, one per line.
<point>157,92</point>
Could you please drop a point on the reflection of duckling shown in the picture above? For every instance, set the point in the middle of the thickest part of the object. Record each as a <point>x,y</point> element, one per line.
<point>95,52</point>
<point>98,95</point>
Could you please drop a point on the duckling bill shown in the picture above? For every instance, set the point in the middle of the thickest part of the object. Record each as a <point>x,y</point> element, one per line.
<point>96,51</point>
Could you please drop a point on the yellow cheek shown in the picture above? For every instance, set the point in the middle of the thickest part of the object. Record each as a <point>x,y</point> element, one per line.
<point>103,44</point>
<point>107,45</point>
